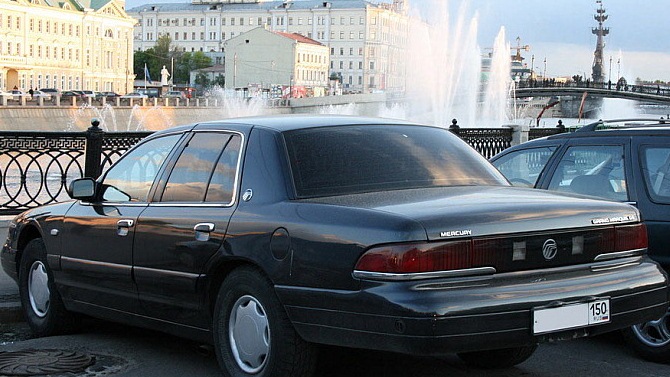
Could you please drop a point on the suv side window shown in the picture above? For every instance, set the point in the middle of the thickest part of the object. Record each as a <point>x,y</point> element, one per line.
<point>131,178</point>
<point>205,170</point>
<point>596,170</point>
<point>523,167</point>
<point>656,170</point>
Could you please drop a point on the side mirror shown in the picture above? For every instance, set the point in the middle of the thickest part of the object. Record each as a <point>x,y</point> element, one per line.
<point>82,189</point>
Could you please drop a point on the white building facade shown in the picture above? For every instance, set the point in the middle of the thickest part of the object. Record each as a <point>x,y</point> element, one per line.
<point>365,40</point>
<point>262,58</point>
<point>67,45</point>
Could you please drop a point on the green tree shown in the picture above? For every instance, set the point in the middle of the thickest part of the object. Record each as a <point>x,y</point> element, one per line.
<point>190,61</point>
<point>219,80</point>
<point>164,53</point>
<point>202,80</point>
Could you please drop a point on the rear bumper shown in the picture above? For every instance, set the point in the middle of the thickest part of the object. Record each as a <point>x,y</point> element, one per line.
<point>456,315</point>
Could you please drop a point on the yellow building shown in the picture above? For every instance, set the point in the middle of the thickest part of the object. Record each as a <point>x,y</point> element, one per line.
<point>66,44</point>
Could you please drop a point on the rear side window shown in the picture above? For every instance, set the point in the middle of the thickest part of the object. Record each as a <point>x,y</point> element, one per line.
<point>205,170</point>
<point>656,170</point>
<point>523,167</point>
<point>354,159</point>
<point>596,170</point>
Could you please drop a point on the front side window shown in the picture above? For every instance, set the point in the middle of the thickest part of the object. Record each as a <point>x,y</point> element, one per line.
<point>655,167</point>
<point>354,159</point>
<point>131,178</point>
<point>523,167</point>
<point>596,170</point>
<point>205,170</point>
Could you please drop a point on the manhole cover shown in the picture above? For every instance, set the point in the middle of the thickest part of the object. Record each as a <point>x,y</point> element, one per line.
<point>39,362</point>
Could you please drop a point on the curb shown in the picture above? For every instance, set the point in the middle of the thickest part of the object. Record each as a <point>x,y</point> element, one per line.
<point>10,312</point>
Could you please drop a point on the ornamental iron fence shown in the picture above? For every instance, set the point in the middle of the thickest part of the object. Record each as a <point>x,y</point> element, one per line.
<point>35,167</point>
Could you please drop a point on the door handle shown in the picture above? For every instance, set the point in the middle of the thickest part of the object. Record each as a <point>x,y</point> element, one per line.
<point>202,231</point>
<point>122,226</point>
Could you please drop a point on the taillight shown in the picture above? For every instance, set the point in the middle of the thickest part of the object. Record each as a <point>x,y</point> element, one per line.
<point>630,237</point>
<point>416,258</point>
<point>504,253</point>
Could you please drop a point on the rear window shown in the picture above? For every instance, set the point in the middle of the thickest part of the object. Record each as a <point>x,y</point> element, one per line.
<point>354,159</point>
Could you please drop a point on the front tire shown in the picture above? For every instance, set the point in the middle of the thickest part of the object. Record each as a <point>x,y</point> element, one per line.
<point>42,305</point>
<point>498,359</point>
<point>252,333</point>
<point>651,340</point>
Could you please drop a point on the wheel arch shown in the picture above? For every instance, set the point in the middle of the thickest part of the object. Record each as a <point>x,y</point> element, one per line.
<point>28,233</point>
<point>219,273</point>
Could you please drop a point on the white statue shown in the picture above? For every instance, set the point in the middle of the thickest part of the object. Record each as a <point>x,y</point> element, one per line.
<point>164,76</point>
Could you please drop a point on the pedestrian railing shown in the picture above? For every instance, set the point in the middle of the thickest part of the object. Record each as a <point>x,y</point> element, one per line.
<point>36,167</point>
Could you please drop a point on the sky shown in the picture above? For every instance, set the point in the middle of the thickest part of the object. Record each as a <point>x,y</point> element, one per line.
<point>560,32</point>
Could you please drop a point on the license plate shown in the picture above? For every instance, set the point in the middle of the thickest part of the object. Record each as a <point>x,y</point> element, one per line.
<point>571,316</point>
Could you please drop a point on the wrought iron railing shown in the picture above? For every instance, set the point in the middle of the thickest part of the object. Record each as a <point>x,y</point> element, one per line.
<point>487,141</point>
<point>35,167</point>
<point>536,133</point>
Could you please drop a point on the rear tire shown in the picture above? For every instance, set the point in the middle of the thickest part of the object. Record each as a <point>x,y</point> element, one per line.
<point>497,359</point>
<point>42,305</point>
<point>252,333</point>
<point>650,340</point>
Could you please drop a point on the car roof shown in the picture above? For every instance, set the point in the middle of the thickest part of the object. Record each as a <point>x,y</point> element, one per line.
<point>283,123</point>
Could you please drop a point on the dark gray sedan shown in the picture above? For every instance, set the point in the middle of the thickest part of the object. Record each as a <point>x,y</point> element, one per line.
<point>267,236</point>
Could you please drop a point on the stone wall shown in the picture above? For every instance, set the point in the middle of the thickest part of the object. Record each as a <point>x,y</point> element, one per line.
<point>112,118</point>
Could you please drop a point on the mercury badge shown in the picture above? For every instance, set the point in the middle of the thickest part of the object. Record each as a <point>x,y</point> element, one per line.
<point>549,249</point>
<point>456,233</point>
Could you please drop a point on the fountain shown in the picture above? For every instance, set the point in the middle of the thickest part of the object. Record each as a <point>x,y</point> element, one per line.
<point>445,79</point>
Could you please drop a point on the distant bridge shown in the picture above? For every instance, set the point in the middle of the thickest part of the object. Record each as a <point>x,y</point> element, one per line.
<point>651,94</point>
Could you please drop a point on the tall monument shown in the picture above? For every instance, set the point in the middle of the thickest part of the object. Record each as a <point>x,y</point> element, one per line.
<point>597,74</point>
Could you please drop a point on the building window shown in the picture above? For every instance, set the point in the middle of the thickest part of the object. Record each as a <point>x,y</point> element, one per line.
<point>176,36</point>
<point>299,20</point>
<point>351,51</point>
<point>232,21</point>
<point>360,65</point>
<point>251,21</point>
<point>193,35</point>
<point>372,65</point>
<point>290,20</point>
<point>341,64</point>
<point>341,51</point>
<point>260,21</point>
<point>351,64</point>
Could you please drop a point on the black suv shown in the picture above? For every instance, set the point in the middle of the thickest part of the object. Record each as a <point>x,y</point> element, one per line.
<point>624,160</point>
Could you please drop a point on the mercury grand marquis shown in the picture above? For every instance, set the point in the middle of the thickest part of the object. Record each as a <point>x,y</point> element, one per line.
<point>268,236</point>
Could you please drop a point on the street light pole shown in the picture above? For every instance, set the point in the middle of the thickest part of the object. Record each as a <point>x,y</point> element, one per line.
<point>544,75</point>
<point>609,76</point>
<point>618,69</point>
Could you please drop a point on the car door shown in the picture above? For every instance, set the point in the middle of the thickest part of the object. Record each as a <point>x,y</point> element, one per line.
<point>654,194</point>
<point>182,229</point>
<point>593,166</point>
<point>98,237</point>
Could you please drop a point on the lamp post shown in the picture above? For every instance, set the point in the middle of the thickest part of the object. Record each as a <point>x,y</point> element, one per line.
<point>532,65</point>
<point>544,75</point>
<point>618,69</point>
<point>609,76</point>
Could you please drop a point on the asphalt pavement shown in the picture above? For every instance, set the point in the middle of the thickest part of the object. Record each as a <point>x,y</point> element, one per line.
<point>10,306</point>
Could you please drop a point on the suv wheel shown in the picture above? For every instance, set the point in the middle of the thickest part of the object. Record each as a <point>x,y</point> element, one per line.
<point>651,340</point>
